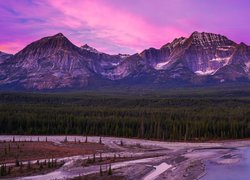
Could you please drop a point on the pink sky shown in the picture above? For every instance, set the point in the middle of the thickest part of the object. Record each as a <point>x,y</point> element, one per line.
<point>120,26</point>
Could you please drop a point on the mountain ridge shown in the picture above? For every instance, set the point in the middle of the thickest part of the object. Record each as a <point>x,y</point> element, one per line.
<point>54,62</point>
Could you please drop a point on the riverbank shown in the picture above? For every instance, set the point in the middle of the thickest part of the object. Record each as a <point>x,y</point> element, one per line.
<point>185,160</point>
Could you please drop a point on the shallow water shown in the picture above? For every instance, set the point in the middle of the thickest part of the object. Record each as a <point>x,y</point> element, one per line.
<point>235,171</point>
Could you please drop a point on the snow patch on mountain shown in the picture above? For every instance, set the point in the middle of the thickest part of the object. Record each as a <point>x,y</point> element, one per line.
<point>219,59</point>
<point>161,65</point>
<point>123,56</point>
<point>115,64</point>
<point>204,73</point>
<point>247,68</point>
<point>224,48</point>
<point>247,64</point>
<point>88,48</point>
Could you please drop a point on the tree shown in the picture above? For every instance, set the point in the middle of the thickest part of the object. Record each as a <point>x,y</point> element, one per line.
<point>3,170</point>
<point>41,166</point>
<point>9,170</point>
<point>100,157</point>
<point>5,151</point>
<point>29,165</point>
<point>17,163</point>
<point>21,167</point>
<point>100,170</point>
<point>9,147</point>
<point>110,170</point>
<point>94,158</point>
<point>49,164</point>
<point>65,139</point>
<point>88,160</point>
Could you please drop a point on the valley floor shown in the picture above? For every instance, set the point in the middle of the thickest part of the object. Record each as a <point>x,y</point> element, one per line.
<point>116,158</point>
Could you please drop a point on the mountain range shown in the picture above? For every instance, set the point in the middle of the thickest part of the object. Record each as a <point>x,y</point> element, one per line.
<point>55,63</point>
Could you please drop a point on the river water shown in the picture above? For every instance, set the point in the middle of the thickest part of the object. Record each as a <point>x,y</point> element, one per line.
<point>236,171</point>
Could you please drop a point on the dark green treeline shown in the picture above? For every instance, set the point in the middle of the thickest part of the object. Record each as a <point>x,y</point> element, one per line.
<point>150,117</point>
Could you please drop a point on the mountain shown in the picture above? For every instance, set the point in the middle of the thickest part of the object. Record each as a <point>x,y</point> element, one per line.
<point>4,57</point>
<point>202,55</point>
<point>88,48</point>
<point>99,62</point>
<point>51,62</point>
<point>55,63</point>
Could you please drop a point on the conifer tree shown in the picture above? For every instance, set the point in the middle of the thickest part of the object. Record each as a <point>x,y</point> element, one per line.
<point>110,170</point>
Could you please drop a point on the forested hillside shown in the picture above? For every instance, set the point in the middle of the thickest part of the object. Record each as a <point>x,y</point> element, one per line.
<point>189,116</point>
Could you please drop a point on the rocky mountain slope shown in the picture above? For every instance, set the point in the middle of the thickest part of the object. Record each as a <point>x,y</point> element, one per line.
<point>4,56</point>
<point>204,54</point>
<point>54,63</point>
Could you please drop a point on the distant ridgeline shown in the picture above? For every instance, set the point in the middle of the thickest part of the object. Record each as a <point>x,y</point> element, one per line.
<point>54,63</point>
<point>149,117</point>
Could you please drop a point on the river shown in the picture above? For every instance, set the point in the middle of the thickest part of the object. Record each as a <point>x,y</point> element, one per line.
<point>235,171</point>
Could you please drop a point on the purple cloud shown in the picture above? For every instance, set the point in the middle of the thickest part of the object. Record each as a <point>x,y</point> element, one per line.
<point>119,26</point>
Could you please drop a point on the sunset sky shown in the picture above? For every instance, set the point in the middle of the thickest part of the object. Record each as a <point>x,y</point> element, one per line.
<point>120,26</point>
